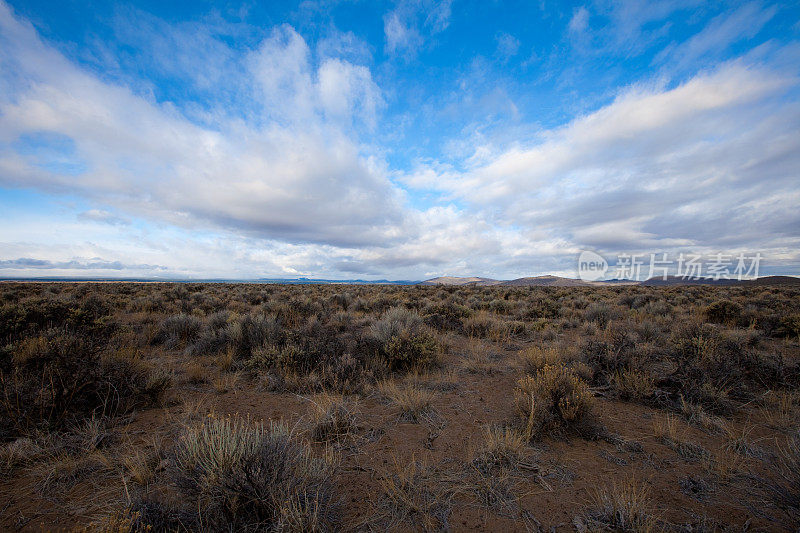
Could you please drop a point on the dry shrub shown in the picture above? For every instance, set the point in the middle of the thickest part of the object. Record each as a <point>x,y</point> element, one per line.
<point>723,312</point>
<point>62,377</point>
<point>178,331</point>
<point>240,475</point>
<point>534,358</point>
<point>404,341</point>
<point>555,399</point>
<point>634,384</point>
<point>251,332</point>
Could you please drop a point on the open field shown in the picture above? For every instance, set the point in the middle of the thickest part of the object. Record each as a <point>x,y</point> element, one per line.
<point>220,407</point>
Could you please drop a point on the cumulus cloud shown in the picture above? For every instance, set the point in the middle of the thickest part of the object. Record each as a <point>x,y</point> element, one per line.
<point>658,168</point>
<point>292,172</point>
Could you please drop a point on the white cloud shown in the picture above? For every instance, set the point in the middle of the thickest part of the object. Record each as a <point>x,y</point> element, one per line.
<point>103,216</point>
<point>507,45</point>
<point>724,30</point>
<point>657,167</point>
<point>347,90</point>
<point>407,26</point>
<point>399,37</point>
<point>579,21</point>
<point>292,172</point>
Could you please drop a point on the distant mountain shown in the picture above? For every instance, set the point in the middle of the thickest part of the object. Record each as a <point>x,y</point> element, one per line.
<point>313,281</point>
<point>546,281</point>
<point>534,281</point>
<point>763,281</point>
<point>558,281</point>
<point>454,280</point>
<point>774,280</point>
<point>285,281</point>
<point>683,280</point>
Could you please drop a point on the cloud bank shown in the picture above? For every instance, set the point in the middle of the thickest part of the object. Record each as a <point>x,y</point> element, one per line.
<point>297,178</point>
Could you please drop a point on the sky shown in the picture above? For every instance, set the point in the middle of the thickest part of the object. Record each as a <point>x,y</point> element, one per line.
<point>394,140</point>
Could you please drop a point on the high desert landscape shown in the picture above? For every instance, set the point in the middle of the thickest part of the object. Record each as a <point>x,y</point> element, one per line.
<point>352,266</point>
<point>239,407</point>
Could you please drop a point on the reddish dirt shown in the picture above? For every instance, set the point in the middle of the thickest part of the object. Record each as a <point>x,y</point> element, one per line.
<point>574,467</point>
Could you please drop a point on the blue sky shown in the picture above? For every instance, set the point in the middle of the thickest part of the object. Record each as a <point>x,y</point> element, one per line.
<point>402,140</point>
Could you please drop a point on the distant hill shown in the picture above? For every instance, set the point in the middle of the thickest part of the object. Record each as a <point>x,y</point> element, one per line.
<point>774,280</point>
<point>546,281</point>
<point>682,280</point>
<point>763,281</point>
<point>454,280</point>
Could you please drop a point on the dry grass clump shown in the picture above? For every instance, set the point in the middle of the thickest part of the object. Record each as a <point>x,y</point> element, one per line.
<point>196,373</point>
<point>140,466</point>
<point>503,447</point>
<point>785,486</point>
<point>485,325</point>
<point>226,382</point>
<point>724,464</point>
<point>241,475</point>
<point>623,507</point>
<point>118,521</point>
<point>555,399</point>
<point>666,432</point>
<point>18,453</point>
<point>739,442</point>
<point>414,402</point>
<point>779,409</point>
<point>695,414</point>
<point>64,470</point>
<point>332,418</point>
<point>478,359</point>
<point>413,498</point>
